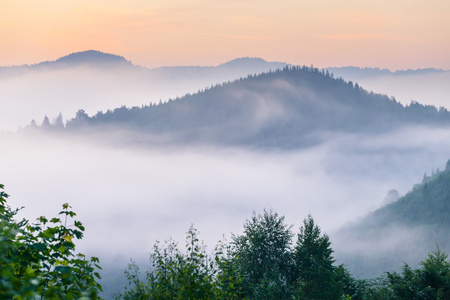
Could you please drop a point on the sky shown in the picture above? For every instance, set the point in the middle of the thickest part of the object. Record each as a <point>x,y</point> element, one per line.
<point>396,34</point>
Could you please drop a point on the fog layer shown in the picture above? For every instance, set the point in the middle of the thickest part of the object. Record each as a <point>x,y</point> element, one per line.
<point>128,198</point>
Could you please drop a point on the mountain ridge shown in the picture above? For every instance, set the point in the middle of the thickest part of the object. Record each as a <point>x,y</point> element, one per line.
<point>91,57</point>
<point>83,57</point>
<point>103,58</point>
<point>99,88</point>
<point>283,107</point>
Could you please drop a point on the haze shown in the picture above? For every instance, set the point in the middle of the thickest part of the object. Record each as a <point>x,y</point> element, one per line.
<point>128,196</point>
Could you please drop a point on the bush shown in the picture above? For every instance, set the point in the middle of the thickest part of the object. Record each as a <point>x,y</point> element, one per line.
<point>39,260</point>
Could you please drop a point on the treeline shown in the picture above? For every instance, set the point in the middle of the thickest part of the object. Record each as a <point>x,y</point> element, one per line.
<point>265,263</point>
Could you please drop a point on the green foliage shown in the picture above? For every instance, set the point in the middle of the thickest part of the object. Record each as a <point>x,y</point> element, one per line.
<point>11,284</point>
<point>192,274</point>
<point>182,276</point>
<point>315,274</point>
<point>39,260</point>
<point>427,204</point>
<point>262,264</point>
<point>263,256</point>
<point>423,214</point>
<point>431,281</point>
<point>228,281</point>
<point>259,264</point>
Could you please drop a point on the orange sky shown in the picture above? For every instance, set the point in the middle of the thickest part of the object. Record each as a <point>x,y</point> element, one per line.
<point>395,34</point>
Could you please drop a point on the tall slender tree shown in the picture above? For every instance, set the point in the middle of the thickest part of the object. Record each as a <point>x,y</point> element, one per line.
<point>314,273</point>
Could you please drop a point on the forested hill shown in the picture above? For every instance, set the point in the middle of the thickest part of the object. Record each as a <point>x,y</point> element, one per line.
<point>287,108</point>
<point>401,231</point>
<point>90,57</point>
<point>427,204</point>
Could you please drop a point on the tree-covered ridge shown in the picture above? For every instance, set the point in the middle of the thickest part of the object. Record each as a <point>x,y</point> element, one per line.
<point>427,204</point>
<point>425,208</point>
<point>403,230</point>
<point>291,107</point>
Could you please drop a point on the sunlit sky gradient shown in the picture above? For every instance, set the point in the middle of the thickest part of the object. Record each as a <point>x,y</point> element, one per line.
<point>394,34</point>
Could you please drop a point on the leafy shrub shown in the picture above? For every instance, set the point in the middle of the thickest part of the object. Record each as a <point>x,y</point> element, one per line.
<point>38,260</point>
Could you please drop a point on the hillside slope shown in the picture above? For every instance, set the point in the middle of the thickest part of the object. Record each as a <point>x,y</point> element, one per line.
<point>427,204</point>
<point>287,108</point>
<point>401,231</point>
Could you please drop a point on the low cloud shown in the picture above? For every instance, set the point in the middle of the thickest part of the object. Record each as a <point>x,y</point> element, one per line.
<point>128,196</point>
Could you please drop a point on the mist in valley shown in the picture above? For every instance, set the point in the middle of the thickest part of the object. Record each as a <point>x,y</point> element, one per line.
<point>130,196</point>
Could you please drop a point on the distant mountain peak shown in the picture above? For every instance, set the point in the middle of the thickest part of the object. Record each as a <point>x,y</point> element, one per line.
<point>89,57</point>
<point>245,59</point>
<point>249,61</point>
